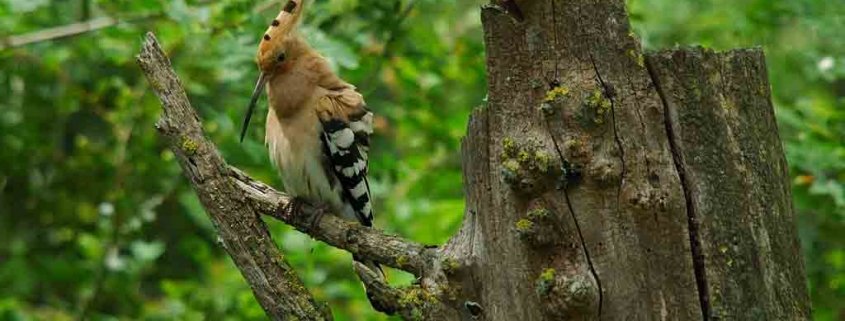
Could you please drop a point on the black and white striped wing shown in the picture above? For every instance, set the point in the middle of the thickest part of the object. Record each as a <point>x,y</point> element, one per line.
<point>347,145</point>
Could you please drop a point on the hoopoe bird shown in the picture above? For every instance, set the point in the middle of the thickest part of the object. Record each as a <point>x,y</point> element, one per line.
<point>318,126</point>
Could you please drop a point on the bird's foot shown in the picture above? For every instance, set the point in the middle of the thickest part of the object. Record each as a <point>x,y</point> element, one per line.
<point>319,211</point>
<point>293,210</point>
<point>287,212</point>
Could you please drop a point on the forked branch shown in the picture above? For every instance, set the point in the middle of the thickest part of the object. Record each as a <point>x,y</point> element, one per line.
<point>234,202</point>
<point>244,236</point>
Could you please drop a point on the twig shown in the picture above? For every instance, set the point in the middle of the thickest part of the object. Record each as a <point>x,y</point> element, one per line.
<point>57,32</point>
<point>383,297</point>
<point>70,30</point>
<point>244,236</point>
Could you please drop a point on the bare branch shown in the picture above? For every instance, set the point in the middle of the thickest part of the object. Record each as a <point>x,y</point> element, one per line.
<point>244,236</point>
<point>362,241</point>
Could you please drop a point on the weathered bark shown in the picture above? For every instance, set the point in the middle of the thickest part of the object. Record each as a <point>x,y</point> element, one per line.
<point>673,203</point>
<point>728,153</point>
<point>601,184</point>
<point>569,81</point>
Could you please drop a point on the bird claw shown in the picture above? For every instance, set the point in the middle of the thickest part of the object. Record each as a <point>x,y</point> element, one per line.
<point>287,212</point>
<point>319,211</point>
<point>295,208</point>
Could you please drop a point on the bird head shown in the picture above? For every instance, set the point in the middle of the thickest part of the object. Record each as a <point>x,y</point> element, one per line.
<point>274,51</point>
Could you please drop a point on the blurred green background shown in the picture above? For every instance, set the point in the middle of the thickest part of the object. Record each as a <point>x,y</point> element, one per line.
<point>96,221</point>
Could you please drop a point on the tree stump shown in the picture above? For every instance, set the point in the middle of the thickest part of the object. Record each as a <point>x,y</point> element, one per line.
<point>605,184</point>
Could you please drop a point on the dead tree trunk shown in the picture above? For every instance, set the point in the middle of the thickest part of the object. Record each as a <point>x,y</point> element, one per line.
<point>601,183</point>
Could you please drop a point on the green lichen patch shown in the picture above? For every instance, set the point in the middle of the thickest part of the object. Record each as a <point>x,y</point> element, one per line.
<point>555,93</point>
<point>526,166</point>
<point>545,282</point>
<point>538,227</point>
<point>417,300</point>
<point>539,213</point>
<point>511,165</point>
<point>727,105</point>
<point>449,293</point>
<point>542,160</point>
<point>524,226</point>
<point>416,296</point>
<point>157,85</point>
<point>509,148</point>
<point>402,260</point>
<point>189,146</point>
<point>547,107</point>
<point>572,144</point>
<point>596,106</point>
<point>523,157</point>
<point>450,265</point>
<point>637,56</point>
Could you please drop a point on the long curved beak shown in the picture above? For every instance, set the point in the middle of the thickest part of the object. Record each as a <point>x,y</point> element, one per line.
<point>259,88</point>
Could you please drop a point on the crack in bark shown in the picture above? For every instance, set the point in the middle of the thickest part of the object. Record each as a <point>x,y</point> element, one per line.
<point>610,94</point>
<point>606,90</point>
<point>577,225</point>
<point>692,216</point>
<point>574,217</point>
<point>563,160</point>
<point>586,251</point>
<point>555,42</point>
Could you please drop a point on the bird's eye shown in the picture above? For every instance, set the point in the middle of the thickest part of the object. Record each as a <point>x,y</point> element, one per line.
<point>281,57</point>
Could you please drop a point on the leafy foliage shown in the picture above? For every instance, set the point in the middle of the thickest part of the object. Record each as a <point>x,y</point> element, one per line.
<point>96,220</point>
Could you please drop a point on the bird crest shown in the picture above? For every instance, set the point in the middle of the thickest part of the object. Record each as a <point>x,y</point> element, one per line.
<point>279,30</point>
